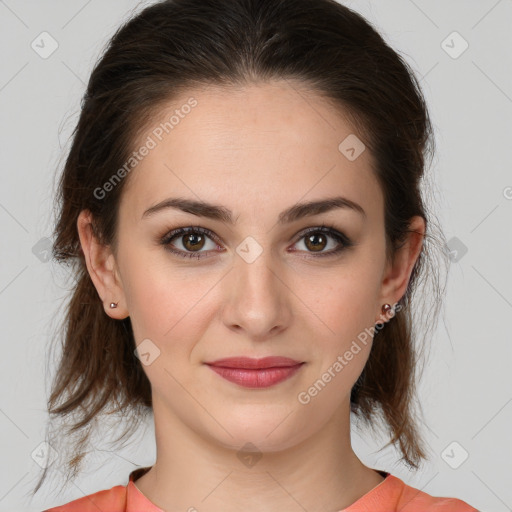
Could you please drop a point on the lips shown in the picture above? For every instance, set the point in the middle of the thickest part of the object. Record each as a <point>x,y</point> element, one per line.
<point>255,364</point>
<point>255,373</point>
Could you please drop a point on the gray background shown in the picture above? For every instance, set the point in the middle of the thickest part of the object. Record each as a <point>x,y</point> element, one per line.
<point>466,390</point>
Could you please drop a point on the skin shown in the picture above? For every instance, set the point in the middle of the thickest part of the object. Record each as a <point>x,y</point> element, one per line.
<point>256,150</point>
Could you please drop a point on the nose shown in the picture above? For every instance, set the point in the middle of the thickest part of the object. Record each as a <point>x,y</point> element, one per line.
<point>257,297</point>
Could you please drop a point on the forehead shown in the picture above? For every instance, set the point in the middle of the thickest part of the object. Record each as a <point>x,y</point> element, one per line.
<point>270,144</point>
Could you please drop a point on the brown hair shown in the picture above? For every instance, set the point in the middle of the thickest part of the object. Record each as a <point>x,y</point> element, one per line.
<point>171,47</point>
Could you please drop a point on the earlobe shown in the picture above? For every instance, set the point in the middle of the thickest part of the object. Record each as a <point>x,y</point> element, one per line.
<point>387,311</point>
<point>100,264</point>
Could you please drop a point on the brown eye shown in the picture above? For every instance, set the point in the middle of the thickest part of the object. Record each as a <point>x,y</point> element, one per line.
<point>316,242</point>
<point>189,242</point>
<point>193,241</point>
<point>323,241</point>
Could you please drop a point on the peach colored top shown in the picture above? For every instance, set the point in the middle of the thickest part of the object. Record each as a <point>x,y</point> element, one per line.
<point>391,495</point>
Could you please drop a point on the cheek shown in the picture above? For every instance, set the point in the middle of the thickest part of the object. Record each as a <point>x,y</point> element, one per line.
<point>340,354</point>
<point>157,299</point>
<point>343,306</point>
<point>344,301</point>
<point>167,305</point>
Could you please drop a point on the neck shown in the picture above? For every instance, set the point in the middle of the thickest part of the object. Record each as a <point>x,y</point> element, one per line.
<point>192,472</point>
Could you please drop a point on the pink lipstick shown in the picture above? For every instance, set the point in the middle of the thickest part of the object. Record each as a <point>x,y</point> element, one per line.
<point>255,373</point>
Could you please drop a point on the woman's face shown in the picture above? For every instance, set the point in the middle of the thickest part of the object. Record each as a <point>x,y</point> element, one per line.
<point>261,285</point>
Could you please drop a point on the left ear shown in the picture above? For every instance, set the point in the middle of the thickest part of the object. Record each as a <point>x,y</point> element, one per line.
<point>397,274</point>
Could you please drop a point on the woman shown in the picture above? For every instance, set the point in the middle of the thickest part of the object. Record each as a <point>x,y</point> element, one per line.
<point>242,204</point>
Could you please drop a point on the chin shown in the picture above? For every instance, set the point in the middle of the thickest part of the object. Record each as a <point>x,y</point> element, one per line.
<point>260,432</point>
<point>257,442</point>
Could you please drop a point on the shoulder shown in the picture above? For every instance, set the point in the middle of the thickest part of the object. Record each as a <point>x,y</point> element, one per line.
<point>415,500</point>
<point>108,500</point>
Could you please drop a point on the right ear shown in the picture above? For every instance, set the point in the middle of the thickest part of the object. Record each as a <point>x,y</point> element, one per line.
<point>102,268</point>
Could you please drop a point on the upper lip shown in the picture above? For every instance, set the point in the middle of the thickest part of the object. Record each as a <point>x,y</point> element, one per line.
<point>251,363</point>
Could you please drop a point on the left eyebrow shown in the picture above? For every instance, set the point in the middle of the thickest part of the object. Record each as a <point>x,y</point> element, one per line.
<point>221,213</point>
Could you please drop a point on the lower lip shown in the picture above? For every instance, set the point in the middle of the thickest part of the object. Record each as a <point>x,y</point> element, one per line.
<point>262,378</point>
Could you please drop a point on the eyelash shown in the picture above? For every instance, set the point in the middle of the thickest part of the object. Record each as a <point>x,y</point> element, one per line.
<point>325,229</point>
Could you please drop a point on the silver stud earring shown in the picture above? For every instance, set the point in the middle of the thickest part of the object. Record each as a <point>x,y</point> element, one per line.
<point>114,304</point>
